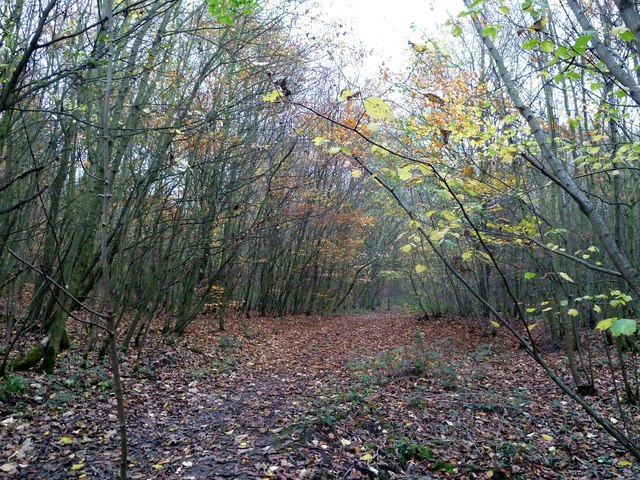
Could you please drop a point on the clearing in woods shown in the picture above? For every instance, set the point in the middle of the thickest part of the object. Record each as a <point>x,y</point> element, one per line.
<point>376,395</point>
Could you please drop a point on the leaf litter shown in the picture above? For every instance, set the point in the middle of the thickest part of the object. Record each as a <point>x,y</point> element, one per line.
<point>378,395</point>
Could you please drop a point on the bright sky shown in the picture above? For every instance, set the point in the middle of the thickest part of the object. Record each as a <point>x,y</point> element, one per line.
<point>385,25</point>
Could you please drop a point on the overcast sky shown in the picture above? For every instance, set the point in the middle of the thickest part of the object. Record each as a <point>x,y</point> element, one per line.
<point>385,25</point>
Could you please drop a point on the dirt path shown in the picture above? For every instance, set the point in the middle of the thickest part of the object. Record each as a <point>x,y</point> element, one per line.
<point>363,396</point>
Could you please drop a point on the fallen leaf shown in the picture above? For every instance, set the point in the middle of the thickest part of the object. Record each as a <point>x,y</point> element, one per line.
<point>9,468</point>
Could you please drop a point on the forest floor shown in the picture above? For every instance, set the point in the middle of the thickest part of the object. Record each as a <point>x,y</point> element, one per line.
<point>360,396</point>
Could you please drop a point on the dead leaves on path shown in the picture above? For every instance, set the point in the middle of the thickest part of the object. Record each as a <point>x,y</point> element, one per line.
<point>361,396</point>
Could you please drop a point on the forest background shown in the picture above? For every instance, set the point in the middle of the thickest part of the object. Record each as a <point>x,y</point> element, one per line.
<point>165,159</point>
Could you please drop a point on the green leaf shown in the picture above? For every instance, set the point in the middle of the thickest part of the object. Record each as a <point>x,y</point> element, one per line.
<point>319,141</point>
<point>377,108</point>
<point>573,312</point>
<point>562,51</point>
<point>627,36</point>
<point>575,76</point>
<point>334,150</point>
<point>467,255</point>
<point>624,326</point>
<point>420,268</point>
<point>580,45</point>
<point>530,44</point>
<point>547,46</point>
<point>529,275</point>
<point>456,30</point>
<point>490,31</point>
<point>624,33</point>
<point>443,466</point>
<point>620,93</point>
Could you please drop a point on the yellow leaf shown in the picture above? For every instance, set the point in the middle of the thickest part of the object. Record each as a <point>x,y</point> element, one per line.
<point>157,466</point>
<point>486,256</point>
<point>345,93</point>
<point>450,216</point>
<point>319,141</point>
<point>377,108</point>
<point>405,172</point>
<point>228,432</point>
<point>345,442</point>
<point>438,235</point>
<point>490,474</point>
<point>271,471</point>
<point>356,173</point>
<point>406,248</point>
<point>546,437</point>
<point>573,312</point>
<point>566,277</point>
<point>77,466</point>
<point>368,457</point>
<point>66,440</point>
<point>420,268</point>
<point>418,48</point>
<point>467,255</point>
<point>605,324</point>
<point>532,326</point>
<point>495,324</point>
<point>272,96</point>
<point>597,309</point>
<point>624,463</point>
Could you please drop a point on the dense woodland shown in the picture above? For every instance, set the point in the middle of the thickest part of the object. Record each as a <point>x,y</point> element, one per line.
<point>166,163</point>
